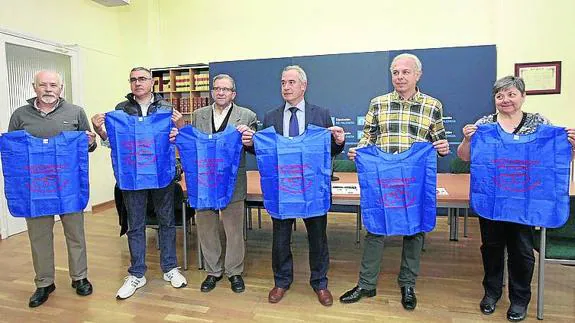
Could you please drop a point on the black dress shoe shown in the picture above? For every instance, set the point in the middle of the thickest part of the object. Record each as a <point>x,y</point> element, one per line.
<point>487,305</point>
<point>408,299</point>
<point>83,287</point>
<point>41,295</point>
<point>237,283</point>
<point>516,313</point>
<point>355,294</point>
<point>209,283</point>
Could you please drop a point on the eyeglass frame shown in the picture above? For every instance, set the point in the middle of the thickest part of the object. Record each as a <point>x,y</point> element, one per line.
<point>140,79</point>
<point>223,89</point>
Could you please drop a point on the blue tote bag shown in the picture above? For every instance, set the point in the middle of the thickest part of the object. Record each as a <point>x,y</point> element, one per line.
<point>295,172</point>
<point>45,176</point>
<point>142,155</point>
<point>521,178</point>
<point>210,163</point>
<point>398,191</point>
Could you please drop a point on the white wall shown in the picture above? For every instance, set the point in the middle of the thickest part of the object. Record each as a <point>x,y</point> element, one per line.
<point>171,32</point>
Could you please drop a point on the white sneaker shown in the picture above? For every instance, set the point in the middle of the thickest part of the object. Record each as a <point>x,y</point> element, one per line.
<point>176,278</point>
<point>131,283</point>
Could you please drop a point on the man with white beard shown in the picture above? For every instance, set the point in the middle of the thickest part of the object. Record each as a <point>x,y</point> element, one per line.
<point>45,116</point>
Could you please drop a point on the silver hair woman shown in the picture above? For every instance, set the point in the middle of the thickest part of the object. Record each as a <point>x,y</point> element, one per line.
<point>497,236</point>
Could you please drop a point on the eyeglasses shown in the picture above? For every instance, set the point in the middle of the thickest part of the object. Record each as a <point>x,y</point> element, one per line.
<point>140,79</point>
<point>223,89</point>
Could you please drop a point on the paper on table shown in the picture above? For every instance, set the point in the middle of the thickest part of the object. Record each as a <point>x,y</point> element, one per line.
<point>441,191</point>
<point>353,188</point>
<point>344,188</point>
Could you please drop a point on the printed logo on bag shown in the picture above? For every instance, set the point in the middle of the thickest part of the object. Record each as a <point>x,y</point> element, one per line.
<point>44,178</point>
<point>291,179</point>
<point>208,172</point>
<point>513,175</point>
<point>397,192</point>
<point>140,152</point>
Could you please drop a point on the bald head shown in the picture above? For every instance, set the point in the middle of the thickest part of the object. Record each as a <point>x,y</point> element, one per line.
<point>45,74</point>
<point>48,86</point>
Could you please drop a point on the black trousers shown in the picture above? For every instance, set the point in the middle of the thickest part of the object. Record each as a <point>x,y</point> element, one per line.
<point>518,238</point>
<point>282,260</point>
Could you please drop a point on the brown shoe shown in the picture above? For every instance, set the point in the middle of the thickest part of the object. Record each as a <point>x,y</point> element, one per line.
<point>324,297</point>
<point>276,294</point>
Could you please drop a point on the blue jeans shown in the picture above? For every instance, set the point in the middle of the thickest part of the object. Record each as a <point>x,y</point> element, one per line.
<point>136,206</point>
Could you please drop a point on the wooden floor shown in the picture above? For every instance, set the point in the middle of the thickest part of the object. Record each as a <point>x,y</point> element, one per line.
<point>448,289</point>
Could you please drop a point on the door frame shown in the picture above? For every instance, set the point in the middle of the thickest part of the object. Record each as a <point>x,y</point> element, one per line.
<point>73,52</point>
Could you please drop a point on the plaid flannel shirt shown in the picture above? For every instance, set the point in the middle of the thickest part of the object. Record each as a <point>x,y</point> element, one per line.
<point>393,123</point>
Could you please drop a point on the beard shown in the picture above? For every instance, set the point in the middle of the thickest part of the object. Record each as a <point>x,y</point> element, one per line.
<point>48,99</point>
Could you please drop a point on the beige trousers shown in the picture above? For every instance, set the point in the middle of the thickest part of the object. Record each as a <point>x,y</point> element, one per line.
<point>41,234</point>
<point>208,222</point>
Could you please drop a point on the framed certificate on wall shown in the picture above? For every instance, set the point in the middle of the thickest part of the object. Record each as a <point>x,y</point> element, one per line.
<point>540,78</point>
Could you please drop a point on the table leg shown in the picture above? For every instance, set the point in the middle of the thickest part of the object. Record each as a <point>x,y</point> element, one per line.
<point>259,217</point>
<point>247,210</point>
<point>454,229</point>
<point>185,227</point>
<point>358,225</point>
<point>199,250</point>
<point>541,273</point>
<point>465,222</point>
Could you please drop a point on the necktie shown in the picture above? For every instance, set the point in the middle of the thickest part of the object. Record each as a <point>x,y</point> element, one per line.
<point>293,123</point>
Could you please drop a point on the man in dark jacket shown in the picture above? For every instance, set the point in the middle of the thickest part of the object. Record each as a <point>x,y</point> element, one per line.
<point>142,102</point>
<point>291,119</point>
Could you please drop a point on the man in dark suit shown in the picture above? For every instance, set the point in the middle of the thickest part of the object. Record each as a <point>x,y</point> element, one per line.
<point>293,86</point>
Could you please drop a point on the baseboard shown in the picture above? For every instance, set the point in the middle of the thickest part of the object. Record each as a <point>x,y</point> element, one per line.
<point>103,206</point>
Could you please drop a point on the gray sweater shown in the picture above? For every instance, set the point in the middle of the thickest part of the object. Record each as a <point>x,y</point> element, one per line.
<point>65,117</point>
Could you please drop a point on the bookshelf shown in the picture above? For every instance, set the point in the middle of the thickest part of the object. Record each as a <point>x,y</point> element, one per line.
<point>187,88</point>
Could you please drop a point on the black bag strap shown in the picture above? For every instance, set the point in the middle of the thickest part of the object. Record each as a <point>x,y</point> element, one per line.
<point>521,123</point>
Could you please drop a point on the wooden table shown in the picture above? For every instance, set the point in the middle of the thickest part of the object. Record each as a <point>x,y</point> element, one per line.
<point>457,186</point>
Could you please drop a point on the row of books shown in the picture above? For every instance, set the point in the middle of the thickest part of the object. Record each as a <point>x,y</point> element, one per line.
<point>186,87</point>
<point>161,84</point>
<point>183,83</point>
<point>187,105</point>
<point>157,84</point>
<point>202,82</point>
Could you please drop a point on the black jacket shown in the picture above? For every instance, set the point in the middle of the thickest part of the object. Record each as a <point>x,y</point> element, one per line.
<point>131,107</point>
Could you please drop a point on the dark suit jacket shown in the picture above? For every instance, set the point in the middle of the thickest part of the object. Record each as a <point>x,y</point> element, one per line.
<point>313,115</point>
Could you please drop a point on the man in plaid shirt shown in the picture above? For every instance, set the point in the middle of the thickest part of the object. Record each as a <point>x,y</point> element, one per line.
<point>393,122</point>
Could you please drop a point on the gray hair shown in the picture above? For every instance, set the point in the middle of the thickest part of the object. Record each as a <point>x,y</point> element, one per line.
<point>508,82</point>
<point>58,76</point>
<point>299,70</point>
<point>225,76</point>
<point>418,66</point>
<point>140,68</point>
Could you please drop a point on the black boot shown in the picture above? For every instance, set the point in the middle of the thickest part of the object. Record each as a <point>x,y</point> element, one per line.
<point>83,287</point>
<point>516,313</point>
<point>209,283</point>
<point>487,305</point>
<point>355,294</point>
<point>408,299</point>
<point>41,295</point>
